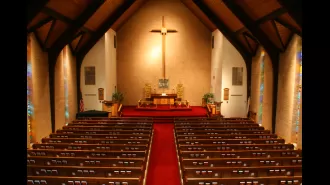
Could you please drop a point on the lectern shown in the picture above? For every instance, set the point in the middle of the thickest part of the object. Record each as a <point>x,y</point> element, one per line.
<point>108,106</point>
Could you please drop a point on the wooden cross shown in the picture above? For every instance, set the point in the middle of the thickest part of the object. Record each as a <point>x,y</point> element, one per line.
<point>163,31</point>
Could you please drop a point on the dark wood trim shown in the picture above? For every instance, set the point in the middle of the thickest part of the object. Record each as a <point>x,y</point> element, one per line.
<point>34,7</point>
<point>105,27</point>
<point>275,90</point>
<point>249,78</point>
<point>290,27</point>
<point>294,8</point>
<point>40,24</point>
<point>247,21</point>
<point>49,32</point>
<point>52,58</point>
<point>41,44</point>
<point>67,36</point>
<point>278,34</point>
<point>62,18</point>
<point>248,43</point>
<point>271,16</point>
<point>224,30</point>
<point>247,34</point>
<point>288,41</point>
<point>79,42</point>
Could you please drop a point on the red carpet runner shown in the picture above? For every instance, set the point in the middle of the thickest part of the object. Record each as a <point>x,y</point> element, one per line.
<point>163,164</point>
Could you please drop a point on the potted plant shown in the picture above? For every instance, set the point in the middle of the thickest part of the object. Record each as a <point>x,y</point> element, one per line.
<point>117,98</point>
<point>208,98</point>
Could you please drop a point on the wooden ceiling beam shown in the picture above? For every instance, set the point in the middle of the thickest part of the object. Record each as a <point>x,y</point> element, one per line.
<point>294,8</point>
<point>63,18</point>
<point>67,36</point>
<point>224,29</point>
<point>34,7</point>
<point>105,27</point>
<point>270,16</point>
<point>290,27</point>
<point>39,24</point>
<point>247,21</point>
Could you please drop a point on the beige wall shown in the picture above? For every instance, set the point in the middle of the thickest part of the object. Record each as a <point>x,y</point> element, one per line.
<point>40,90</point>
<point>65,58</point>
<point>268,89</point>
<point>287,91</point>
<point>188,52</point>
<point>236,105</point>
<point>95,57</point>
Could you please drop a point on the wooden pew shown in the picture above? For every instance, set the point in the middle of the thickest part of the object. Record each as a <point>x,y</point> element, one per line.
<point>85,171</point>
<point>235,147</point>
<point>220,128</point>
<point>254,171</point>
<point>51,180</point>
<point>105,128</point>
<point>106,136</point>
<point>95,141</point>
<point>108,147</point>
<point>279,180</point>
<point>116,118</point>
<point>230,141</point>
<point>216,125</point>
<point>86,153</point>
<point>226,136</point>
<point>83,161</point>
<point>110,132</point>
<point>122,121</point>
<point>214,132</point>
<point>237,162</point>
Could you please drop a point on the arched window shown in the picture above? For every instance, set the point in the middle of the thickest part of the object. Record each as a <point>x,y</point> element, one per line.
<point>29,92</point>
<point>297,112</point>
<point>65,60</point>
<point>261,89</point>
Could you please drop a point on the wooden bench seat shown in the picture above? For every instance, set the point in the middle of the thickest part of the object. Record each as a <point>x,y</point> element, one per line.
<point>220,128</point>
<point>235,132</point>
<point>226,136</point>
<point>51,180</point>
<point>114,118</point>
<point>113,124</point>
<point>230,147</point>
<point>240,154</point>
<point>105,128</point>
<point>231,141</point>
<point>237,162</point>
<point>87,153</point>
<point>279,180</point>
<point>217,125</point>
<point>110,132</point>
<point>85,171</point>
<point>106,136</point>
<point>228,172</point>
<point>83,161</point>
<point>108,147</point>
<point>213,121</point>
<point>95,141</point>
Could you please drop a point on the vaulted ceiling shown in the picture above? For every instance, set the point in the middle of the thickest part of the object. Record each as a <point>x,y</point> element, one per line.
<point>245,23</point>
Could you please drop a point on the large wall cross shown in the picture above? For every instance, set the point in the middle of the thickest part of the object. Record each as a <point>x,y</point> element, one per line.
<point>163,31</point>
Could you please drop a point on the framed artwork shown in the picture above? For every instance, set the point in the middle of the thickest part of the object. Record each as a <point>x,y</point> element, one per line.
<point>101,93</point>
<point>163,83</point>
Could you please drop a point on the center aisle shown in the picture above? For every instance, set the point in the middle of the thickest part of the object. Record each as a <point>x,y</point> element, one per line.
<point>163,164</point>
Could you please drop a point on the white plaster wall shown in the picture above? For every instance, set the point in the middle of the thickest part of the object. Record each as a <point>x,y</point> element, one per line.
<point>236,105</point>
<point>95,57</point>
<point>110,64</point>
<point>216,65</point>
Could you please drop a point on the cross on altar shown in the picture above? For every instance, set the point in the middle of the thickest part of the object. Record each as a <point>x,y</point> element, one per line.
<point>163,31</point>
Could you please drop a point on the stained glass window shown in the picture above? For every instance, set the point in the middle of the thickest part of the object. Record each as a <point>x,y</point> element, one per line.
<point>298,95</point>
<point>261,89</point>
<point>66,90</point>
<point>29,93</point>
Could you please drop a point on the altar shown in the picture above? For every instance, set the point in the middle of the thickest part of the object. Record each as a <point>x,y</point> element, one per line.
<point>163,99</point>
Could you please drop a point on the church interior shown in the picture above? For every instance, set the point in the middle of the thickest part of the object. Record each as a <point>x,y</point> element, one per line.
<point>164,92</point>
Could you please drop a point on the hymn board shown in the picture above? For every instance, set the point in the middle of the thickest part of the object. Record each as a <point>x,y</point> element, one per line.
<point>163,31</point>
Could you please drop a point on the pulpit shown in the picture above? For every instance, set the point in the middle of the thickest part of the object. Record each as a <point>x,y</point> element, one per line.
<point>108,107</point>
